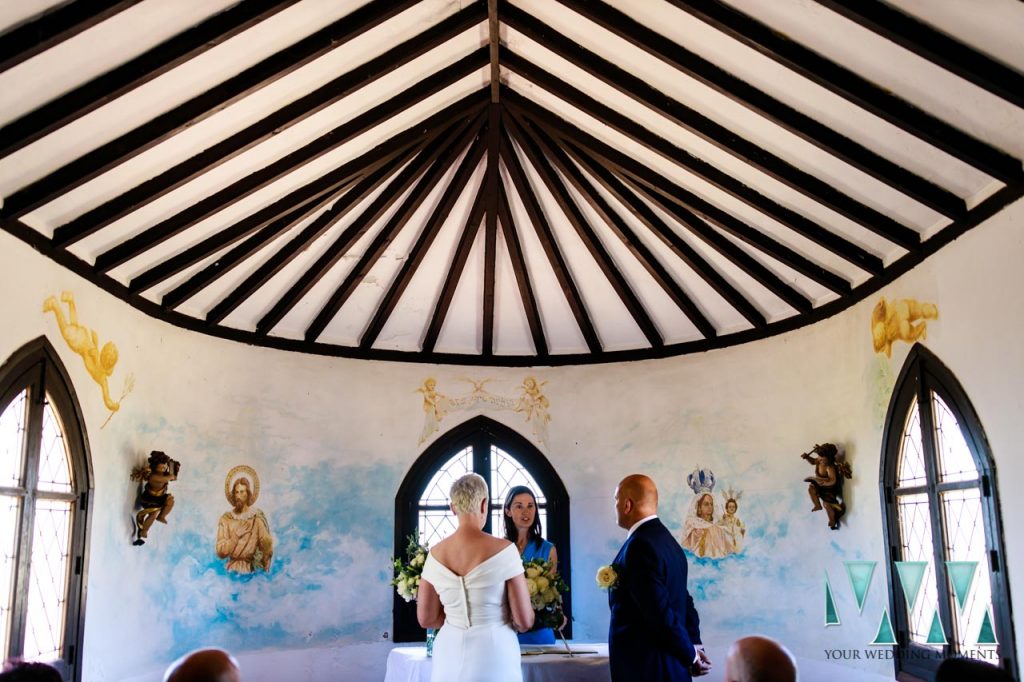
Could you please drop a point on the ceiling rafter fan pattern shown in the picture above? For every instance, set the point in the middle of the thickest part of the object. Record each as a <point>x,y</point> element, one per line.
<point>503,183</point>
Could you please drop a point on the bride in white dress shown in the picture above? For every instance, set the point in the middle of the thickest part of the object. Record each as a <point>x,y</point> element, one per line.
<point>473,588</point>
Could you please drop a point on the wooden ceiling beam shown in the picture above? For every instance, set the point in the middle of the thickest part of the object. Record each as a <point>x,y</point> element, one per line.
<point>54,27</point>
<point>546,236</point>
<point>937,47</point>
<point>526,293</point>
<point>340,246</point>
<point>200,107</point>
<point>426,184</point>
<point>249,184</point>
<point>623,231</point>
<point>822,136</point>
<point>710,131</point>
<point>865,94</point>
<point>155,62</point>
<point>265,128</point>
<point>423,242</point>
<point>720,179</point>
<point>491,226</point>
<point>454,275</point>
<point>539,158</point>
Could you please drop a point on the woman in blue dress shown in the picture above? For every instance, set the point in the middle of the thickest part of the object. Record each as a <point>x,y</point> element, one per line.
<point>522,526</point>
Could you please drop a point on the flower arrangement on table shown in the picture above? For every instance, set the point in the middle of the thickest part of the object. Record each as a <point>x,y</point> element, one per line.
<point>407,573</point>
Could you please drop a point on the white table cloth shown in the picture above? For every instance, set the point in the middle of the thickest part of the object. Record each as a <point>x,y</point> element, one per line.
<point>540,664</point>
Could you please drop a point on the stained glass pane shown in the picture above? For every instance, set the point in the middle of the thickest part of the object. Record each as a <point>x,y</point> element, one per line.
<point>48,580</point>
<point>506,473</point>
<point>955,460</point>
<point>916,545</point>
<point>12,434</point>
<point>54,463</point>
<point>910,466</point>
<point>10,508</point>
<point>965,541</point>
<point>437,524</point>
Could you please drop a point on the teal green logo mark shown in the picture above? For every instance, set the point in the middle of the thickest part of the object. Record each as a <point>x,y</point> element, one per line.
<point>988,633</point>
<point>936,635</point>
<point>961,575</point>
<point>831,612</point>
<point>911,577</point>
<point>860,573</point>
<point>885,635</point>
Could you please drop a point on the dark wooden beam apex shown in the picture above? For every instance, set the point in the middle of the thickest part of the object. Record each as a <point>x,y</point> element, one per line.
<point>792,120</point>
<point>528,141</point>
<point>54,26</point>
<point>155,62</point>
<point>622,230</point>
<point>852,87</point>
<point>367,217</point>
<point>245,139</point>
<point>491,181</point>
<point>246,186</point>
<point>712,132</point>
<point>394,225</point>
<point>526,293</point>
<point>493,35</point>
<point>724,181</point>
<point>454,276</point>
<point>546,236</point>
<point>424,240</point>
<point>198,108</point>
<point>935,46</point>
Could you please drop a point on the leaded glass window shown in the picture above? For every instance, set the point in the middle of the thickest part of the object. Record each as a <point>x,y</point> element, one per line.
<point>42,512</point>
<point>941,510</point>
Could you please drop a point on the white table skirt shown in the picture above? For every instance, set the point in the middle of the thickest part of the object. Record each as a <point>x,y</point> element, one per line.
<point>410,664</point>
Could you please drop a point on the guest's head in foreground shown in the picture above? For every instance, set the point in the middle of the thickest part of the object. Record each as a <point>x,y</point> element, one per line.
<point>957,669</point>
<point>204,665</point>
<point>759,659</point>
<point>16,670</point>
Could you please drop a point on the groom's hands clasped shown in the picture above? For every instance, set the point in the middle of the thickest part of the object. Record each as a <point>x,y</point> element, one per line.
<point>701,666</point>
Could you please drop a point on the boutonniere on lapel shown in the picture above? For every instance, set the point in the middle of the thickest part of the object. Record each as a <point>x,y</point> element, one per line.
<point>608,577</point>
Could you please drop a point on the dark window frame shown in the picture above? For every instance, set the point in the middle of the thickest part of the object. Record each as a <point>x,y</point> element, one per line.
<point>480,433</point>
<point>37,367</point>
<point>923,374</point>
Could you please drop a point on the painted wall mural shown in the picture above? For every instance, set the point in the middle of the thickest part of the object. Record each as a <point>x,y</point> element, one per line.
<point>243,533</point>
<point>531,403</point>
<point>99,362</point>
<point>902,320</point>
<point>712,528</point>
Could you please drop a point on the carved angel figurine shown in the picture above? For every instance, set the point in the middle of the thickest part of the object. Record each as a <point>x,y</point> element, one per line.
<point>826,485</point>
<point>154,502</point>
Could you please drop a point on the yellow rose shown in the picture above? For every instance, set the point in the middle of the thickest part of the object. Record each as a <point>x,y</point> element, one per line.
<point>419,559</point>
<point>531,586</point>
<point>532,572</point>
<point>549,595</point>
<point>542,583</point>
<point>606,577</point>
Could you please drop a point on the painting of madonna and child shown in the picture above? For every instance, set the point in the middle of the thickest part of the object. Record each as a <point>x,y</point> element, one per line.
<point>712,528</point>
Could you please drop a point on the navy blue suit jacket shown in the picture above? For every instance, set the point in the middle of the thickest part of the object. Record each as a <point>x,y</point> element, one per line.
<point>654,625</point>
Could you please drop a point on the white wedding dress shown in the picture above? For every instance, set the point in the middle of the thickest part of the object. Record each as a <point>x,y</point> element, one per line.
<point>476,642</point>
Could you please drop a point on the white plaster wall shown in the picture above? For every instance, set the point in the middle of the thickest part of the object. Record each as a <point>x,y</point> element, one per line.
<point>332,439</point>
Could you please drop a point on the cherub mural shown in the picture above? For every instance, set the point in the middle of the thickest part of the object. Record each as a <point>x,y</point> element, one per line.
<point>703,533</point>
<point>735,531</point>
<point>435,407</point>
<point>243,534</point>
<point>535,405</point>
<point>154,501</point>
<point>531,402</point>
<point>902,320</point>
<point>99,362</point>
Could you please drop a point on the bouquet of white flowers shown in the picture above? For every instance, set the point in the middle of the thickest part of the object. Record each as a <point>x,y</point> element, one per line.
<point>546,588</point>
<point>407,573</point>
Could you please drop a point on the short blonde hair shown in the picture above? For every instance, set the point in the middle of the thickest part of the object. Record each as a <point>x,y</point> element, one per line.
<point>467,492</point>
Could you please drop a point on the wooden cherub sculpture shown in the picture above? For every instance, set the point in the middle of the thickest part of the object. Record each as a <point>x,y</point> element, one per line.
<point>826,485</point>
<point>154,502</point>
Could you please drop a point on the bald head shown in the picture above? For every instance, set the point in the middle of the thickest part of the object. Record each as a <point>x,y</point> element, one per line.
<point>636,497</point>
<point>759,659</point>
<point>204,665</point>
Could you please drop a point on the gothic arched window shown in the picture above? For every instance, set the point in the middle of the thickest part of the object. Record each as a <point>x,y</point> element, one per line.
<point>944,532</point>
<point>44,484</point>
<point>505,459</point>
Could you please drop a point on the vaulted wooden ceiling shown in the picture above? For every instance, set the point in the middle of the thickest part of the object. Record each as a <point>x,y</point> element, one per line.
<point>535,182</point>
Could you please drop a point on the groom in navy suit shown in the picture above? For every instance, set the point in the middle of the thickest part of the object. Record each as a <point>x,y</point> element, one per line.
<point>655,631</point>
